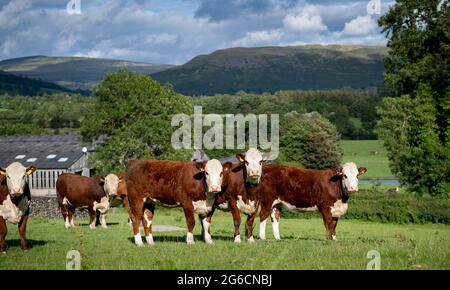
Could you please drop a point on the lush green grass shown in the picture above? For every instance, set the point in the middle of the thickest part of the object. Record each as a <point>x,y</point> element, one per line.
<point>370,154</point>
<point>303,246</point>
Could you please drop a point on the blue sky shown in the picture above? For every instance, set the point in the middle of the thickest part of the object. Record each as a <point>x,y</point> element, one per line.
<point>174,31</point>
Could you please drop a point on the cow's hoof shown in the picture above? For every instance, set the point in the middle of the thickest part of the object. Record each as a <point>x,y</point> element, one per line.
<point>24,245</point>
<point>190,242</point>
<point>209,241</point>
<point>237,239</point>
<point>333,237</point>
<point>104,227</point>
<point>251,240</point>
<point>3,248</point>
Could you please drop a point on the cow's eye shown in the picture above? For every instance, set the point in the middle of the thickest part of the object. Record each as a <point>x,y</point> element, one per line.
<point>221,174</point>
<point>8,176</point>
<point>246,162</point>
<point>345,176</point>
<point>206,172</point>
<point>260,162</point>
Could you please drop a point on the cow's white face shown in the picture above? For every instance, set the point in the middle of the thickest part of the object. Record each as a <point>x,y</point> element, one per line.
<point>253,164</point>
<point>16,177</point>
<point>213,175</point>
<point>111,183</point>
<point>350,175</point>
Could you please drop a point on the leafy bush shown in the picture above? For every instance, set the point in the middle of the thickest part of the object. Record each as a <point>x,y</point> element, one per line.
<point>398,208</point>
<point>310,140</point>
<point>417,156</point>
<point>135,112</point>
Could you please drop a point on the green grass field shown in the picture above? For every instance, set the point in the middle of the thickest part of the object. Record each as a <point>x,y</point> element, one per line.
<point>303,246</point>
<point>370,154</point>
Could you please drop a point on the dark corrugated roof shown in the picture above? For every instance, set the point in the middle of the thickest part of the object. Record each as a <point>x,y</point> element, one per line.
<point>41,148</point>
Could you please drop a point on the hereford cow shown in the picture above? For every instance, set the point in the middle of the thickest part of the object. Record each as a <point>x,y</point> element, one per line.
<point>75,191</point>
<point>191,185</point>
<point>15,199</point>
<point>241,194</point>
<point>307,190</point>
<point>123,194</point>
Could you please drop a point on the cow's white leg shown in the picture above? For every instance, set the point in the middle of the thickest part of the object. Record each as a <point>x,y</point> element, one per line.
<point>333,237</point>
<point>149,239</point>
<point>103,220</point>
<point>207,235</point>
<point>66,222</point>
<point>237,239</point>
<point>262,230</point>
<point>72,224</point>
<point>251,239</point>
<point>138,240</point>
<point>190,238</point>
<point>275,225</point>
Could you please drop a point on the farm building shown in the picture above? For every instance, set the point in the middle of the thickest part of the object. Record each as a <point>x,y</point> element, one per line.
<point>51,154</point>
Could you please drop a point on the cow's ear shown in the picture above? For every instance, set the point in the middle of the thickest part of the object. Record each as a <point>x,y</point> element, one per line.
<point>227,167</point>
<point>265,156</point>
<point>200,166</point>
<point>238,167</point>
<point>240,157</point>
<point>199,175</point>
<point>338,171</point>
<point>362,170</point>
<point>30,170</point>
<point>101,180</point>
<point>2,171</point>
<point>121,179</point>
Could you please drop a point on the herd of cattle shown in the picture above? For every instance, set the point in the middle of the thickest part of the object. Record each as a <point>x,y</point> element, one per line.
<point>249,186</point>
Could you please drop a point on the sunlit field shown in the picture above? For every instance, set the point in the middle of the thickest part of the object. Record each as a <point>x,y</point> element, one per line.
<point>303,246</point>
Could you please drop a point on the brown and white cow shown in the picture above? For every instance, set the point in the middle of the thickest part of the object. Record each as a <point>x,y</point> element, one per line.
<point>15,199</point>
<point>291,188</point>
<point>241,195</point>
<point>191,185</point>
<point>75,191</point>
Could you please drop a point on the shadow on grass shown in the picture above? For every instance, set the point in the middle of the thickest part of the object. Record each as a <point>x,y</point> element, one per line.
<point>32,243</point>
<point>98,226</point>
<point>182,239</point>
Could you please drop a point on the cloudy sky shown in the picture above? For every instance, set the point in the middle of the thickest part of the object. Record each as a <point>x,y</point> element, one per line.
<point>174,31</point>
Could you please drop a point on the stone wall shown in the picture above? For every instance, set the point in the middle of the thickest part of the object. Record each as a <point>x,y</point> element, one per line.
<point>47,206</point>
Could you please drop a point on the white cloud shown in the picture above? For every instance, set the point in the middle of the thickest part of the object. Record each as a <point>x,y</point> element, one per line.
<point>165,33</point>
<point>259,38</point>
<point>306,20</point>
<point>9,15</point>
<point>361,25</point>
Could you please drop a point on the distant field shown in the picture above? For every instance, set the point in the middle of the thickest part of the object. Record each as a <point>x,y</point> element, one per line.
<point>370,154</point>
<point>303,246</point>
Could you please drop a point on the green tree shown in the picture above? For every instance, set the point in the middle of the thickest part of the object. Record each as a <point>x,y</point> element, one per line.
<point>408,129</point>
<point>415,127</point>
<point>311,140</point>
<point>419,42</point>
<point>135,112</point>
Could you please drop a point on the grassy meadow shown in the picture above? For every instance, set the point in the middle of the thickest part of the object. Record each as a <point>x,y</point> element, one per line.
<point>370,154</point>
<point>303,246</point>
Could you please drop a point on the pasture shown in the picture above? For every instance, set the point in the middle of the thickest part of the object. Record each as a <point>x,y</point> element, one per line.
<point>370,154</point>
<point>303,245</point>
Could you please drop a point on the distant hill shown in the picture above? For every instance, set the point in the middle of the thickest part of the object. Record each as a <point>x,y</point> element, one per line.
<point>268,69</point>
<point>73,72</point>
<point>16,85</point>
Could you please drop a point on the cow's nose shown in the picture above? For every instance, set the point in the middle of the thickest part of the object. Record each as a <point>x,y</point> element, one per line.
<point>214,188</point>
<point>16,190</point>
<point>353,189</point>
<point>254,173</point>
